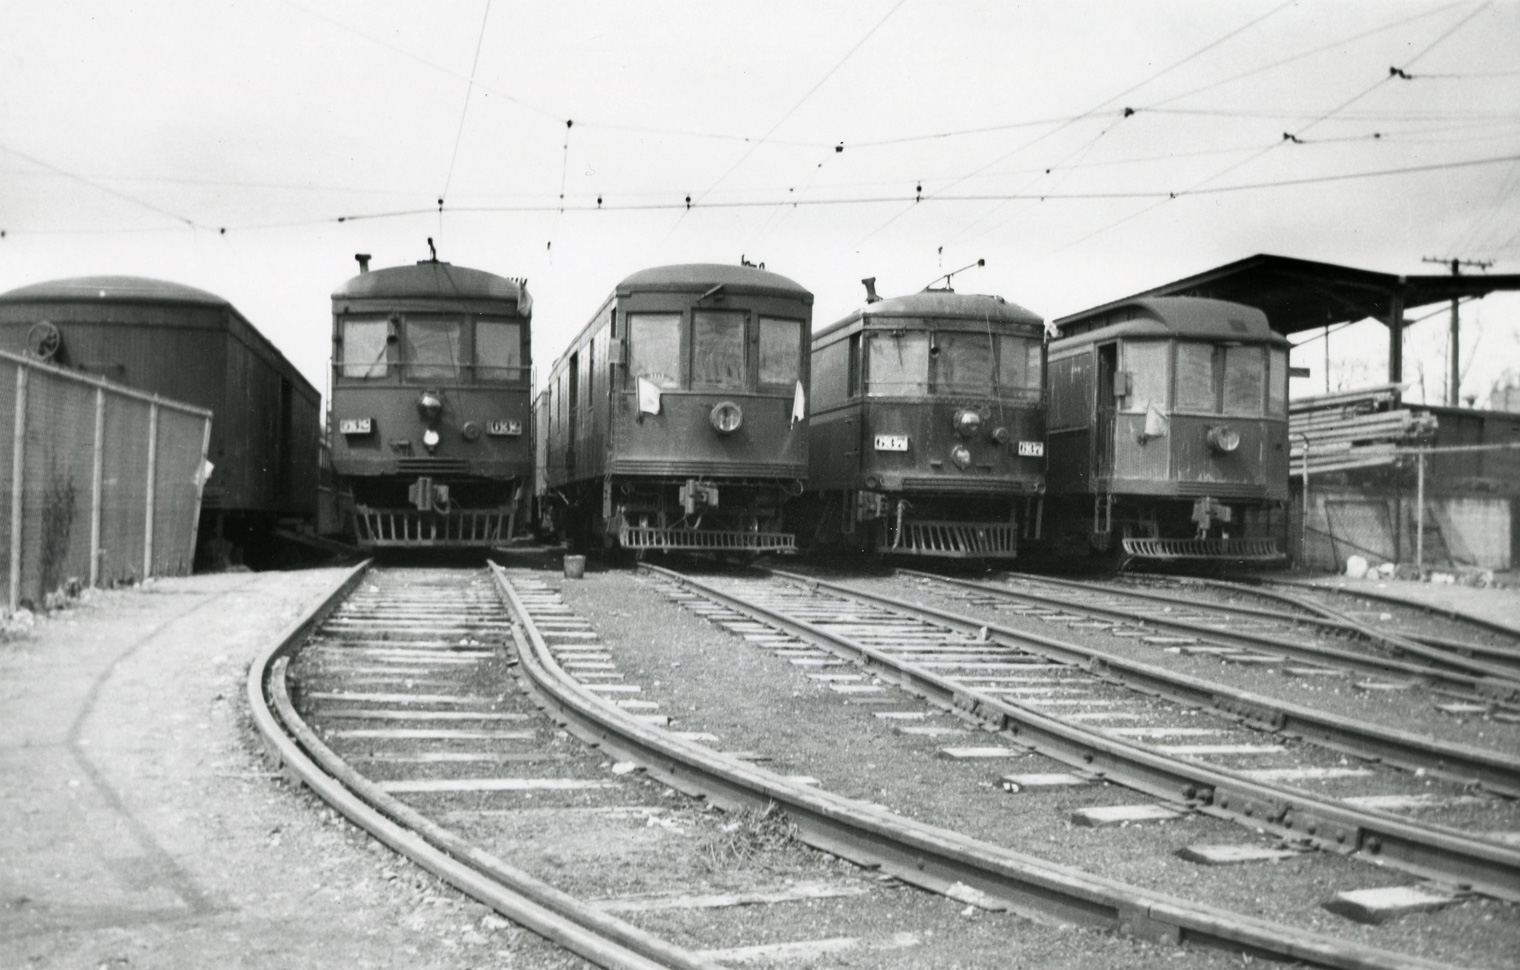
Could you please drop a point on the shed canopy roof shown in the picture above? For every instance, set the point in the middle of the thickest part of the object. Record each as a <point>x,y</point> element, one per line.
<point>1299,294</point>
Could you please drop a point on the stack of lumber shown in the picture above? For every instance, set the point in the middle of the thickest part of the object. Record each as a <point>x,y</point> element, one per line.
<point>1353,429</point>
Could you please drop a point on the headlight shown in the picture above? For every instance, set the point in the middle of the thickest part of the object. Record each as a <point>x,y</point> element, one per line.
<point>967,423</point>
<point>430,406</point>
<point>726,417</point>
<point>1223,439</point>
<point>961,455</point>
<point>430,439</point>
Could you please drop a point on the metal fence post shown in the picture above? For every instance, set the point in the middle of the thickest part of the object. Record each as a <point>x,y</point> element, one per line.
<point>152,489</point>
<point>97,482</point>
<point>18,454</point>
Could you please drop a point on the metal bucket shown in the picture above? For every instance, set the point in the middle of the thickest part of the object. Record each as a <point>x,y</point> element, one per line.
<point>575,567</point>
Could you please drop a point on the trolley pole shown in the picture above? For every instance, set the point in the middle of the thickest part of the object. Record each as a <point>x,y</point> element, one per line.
<point>1453,347</point>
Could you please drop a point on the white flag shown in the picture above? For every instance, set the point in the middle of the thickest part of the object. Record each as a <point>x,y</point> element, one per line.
<point>649,397</point>
<point>799,404</point>
<point>1156,422</point>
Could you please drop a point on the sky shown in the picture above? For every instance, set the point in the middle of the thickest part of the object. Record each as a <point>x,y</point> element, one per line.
<point>1084,149</point>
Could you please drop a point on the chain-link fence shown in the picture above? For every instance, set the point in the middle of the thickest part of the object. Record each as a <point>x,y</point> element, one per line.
<point>104,482</point>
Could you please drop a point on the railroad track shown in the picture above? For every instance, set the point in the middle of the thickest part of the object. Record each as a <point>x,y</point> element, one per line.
<point>409,691</point>
<point>1019,691</point>
<point>1310,640</point>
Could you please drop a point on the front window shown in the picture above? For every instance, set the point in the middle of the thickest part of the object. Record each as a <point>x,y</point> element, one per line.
<point>654,348</point>
<point>962,362</point>
<point>1146,364</point>
<point>780,350</point>
<point>364,348</point>
<point>1244,380</point>
<point>1195,378</point>
<point>432,349</point>
<point>1277,383</point>
<point>1018,364</point>
<point>898,364</point>
<point>717,357</point>
<point>498,350</point>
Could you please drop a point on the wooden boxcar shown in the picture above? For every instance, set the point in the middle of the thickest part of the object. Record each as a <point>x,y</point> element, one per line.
<point>676,419</point>
<point>928,427</point>
<point>188,345</point>
<point>1168,431</point>
<point>430,429</point>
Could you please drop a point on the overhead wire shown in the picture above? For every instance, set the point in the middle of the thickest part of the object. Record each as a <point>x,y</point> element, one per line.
<point>464,109</point>
<point>1288,137</point>
<point>1096,108</point>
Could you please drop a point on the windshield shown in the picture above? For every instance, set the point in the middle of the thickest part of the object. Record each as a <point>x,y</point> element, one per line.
<point>432,349</point>
<point>717,358</point>
<point>962,362</point>
<point>1244,380</point>
<point>1019,363</point>
<point>898,364</point>
<point>1146,364</point>
<point>364,348</point>
<point>498,350</point>
<point>654,348</point>
<point>780,350</point>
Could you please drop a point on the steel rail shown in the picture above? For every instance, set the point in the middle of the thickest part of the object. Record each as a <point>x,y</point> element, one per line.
<point>1446,611</point>
<point>1467,765</point>
<point>933,858</point>
<point>597,937</point>
<point>1472,677</point>
<point>1447,855</point>
<point>1508,656</point>
<point>1323,616</point>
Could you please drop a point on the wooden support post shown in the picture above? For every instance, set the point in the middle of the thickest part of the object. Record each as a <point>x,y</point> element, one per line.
<point>200,491</point>
<point>18,455</point>
<point>1419,517</point>
<point>1396,341</point>
<point>152,490</point>
<point>97,483</point>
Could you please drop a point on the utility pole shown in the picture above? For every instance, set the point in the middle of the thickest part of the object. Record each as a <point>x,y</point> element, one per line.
<point>1453,357</point>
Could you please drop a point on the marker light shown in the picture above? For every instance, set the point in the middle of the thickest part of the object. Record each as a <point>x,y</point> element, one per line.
<point>961,455</point>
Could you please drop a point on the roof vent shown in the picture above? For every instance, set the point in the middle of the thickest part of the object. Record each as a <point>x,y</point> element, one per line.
<point>870,285</point>
<point>363,259</point>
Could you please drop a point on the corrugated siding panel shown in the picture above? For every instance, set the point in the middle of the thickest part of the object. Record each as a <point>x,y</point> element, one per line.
<point>175,508</point>
<point>58,460</point>
<point>123,489</point>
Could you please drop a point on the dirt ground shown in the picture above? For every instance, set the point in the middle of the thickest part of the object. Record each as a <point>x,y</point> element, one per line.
<point>141,827</point>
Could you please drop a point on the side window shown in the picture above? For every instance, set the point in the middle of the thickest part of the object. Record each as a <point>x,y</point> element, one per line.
<point>1146,363</point>
<point>780,350</point>
<point>898,363</point>
<point>1244,380</point>
<point>831,374</point>
<point>1277,383</point>
<point>717,349</point>
<point>1195,378</point>
<point>432,349</point>
<point>364,349</point>
<point>654,348</point>
<point>498,350</point>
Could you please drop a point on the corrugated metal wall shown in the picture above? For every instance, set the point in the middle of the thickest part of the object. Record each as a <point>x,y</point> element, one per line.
<point>109,482</point>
